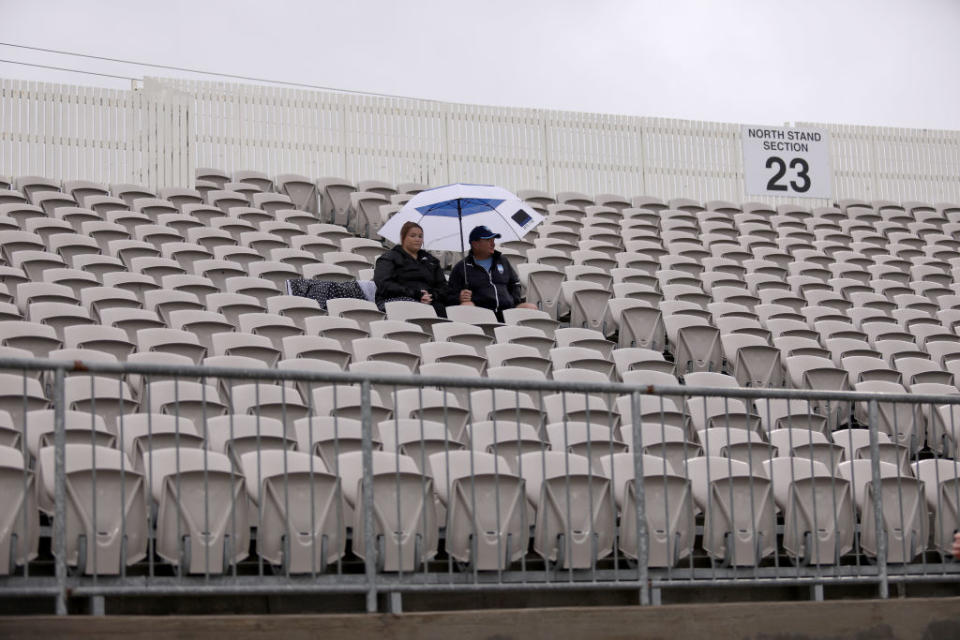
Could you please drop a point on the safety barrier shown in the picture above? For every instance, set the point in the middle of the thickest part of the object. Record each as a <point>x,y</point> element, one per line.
<point>263,481</point>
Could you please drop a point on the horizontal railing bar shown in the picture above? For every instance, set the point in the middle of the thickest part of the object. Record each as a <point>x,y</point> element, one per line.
<point>331,377</point>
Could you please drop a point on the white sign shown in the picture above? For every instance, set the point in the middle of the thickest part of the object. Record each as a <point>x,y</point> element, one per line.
<point>783,161</point>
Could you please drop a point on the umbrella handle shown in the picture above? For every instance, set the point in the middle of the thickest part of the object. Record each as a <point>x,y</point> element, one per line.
<point>463,257</point>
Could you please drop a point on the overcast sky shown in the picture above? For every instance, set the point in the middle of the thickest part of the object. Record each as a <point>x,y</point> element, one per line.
<point>874,62</point>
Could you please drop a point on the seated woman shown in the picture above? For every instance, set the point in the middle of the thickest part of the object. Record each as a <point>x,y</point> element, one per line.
<point>407,272</point>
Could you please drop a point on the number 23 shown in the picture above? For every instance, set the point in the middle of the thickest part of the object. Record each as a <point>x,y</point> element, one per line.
<point>802,174</point>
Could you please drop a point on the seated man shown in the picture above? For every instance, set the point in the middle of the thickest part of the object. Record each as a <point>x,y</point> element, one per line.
<point>485,278</point>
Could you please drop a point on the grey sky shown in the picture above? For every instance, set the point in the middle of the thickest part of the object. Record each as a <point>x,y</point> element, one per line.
<point>873,62</point>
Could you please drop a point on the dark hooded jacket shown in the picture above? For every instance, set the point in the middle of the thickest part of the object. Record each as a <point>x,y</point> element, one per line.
<point>398,275</point>
<point>496,290</point>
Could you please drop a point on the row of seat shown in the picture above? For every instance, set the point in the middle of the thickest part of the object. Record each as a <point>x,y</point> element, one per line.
<point>204,503</point>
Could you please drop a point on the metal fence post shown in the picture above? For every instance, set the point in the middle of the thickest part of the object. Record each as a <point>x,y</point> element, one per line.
<point>369,543</point>
<point>643,544</point>
<point>60,490</point>
<point>878,502</point>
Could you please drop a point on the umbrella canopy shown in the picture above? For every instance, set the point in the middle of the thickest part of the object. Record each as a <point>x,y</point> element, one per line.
<point>448,214</point>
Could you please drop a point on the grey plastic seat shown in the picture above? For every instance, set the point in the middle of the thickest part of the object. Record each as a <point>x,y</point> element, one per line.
<point>193,400</point>
<point>903,422</point>
<point>487,523</point>
<point>531,318</point>
<point>202,521</point>
<point>739,510</point>
<point>406,530</point>
<point>669,513</point>
<point>942,488</point>
<point>588,304</point>
<point>144,432</point>
<point>463,333</point>
<point>576,516</point>
<point>408,333</point>
<point>345,401</point>
<point>583,358</point>
<point>106,524</point>
<point>800,442</point>
<point>437,405</point>
<point>735,443</point>
<point>517,355</point>
<point>588,408</point>
<point>105,396</point>
<point>904,505</point>
<point>269,325</point>
<point>171,341</point>
<point>417,439</point>
<point>236,434</point>
<point>385,349</point>
<point>330,436</point>
<point>505,438</point>
<point>591,441</point>
<point>80,427</point>
<point>301,528</point>
<point>639,325</point>
<point>363,311</point>
<point>280,402</point>
<point>36,338</point>
<point>856,446</point>
<point>819,512</point>
<point>19,525</point>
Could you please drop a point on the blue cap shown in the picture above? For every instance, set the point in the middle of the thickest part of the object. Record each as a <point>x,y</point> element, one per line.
<point>482,233</point>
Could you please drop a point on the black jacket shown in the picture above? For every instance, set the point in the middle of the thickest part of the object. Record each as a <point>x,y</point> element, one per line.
<point>398,275</point>
<point>497,290</point>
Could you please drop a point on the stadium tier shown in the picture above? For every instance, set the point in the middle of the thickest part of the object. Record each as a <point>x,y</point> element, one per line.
<point>195,473</point>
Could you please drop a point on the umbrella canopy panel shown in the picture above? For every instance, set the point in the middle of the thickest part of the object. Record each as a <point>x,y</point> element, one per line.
<point>448,214</point>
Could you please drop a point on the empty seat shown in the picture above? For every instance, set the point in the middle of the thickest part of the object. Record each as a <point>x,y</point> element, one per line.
<point>193,400</point>
<point>246,345</point>
<point>36,338</point>
<point>171,341</point>
<point>940,481</point>
<point>813,445</point>
<point>385,349</point>
<point>272,326</point>
<point>345,401</point>
<point>739,508</point>
<point>904,509</point>
<point>144,432</point>
<point>435,405</point>
<point>279,402</point>
<point>106,526</point>
<point>301,528</point>
<point>202,523</point>
<point>235,435</point>
<point>487,517</point>
<point>819,512</point>
<point>112,340</point>
<point>588,302</point>
<point>19,525</point>
<point>669,513</point>
<point>576,517</point>
<point>405,524</point>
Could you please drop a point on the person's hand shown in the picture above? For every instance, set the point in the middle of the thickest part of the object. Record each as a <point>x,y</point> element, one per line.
<point>426,298</point>
<point>466,295</point>
<point>956,546</point>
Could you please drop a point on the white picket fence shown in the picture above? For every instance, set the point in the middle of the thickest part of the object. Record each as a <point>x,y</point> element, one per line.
<point>157,134</point>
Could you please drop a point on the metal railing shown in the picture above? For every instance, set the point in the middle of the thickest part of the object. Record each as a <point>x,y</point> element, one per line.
<point>620,492</point>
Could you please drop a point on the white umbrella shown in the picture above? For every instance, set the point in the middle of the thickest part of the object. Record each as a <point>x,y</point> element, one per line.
<point>448,215</point>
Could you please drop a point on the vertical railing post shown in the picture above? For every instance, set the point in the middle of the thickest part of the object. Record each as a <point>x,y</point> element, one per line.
<point>878,502</point>
<point>60,490</point>
<point>643,544</point>
<point>369,544</point>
